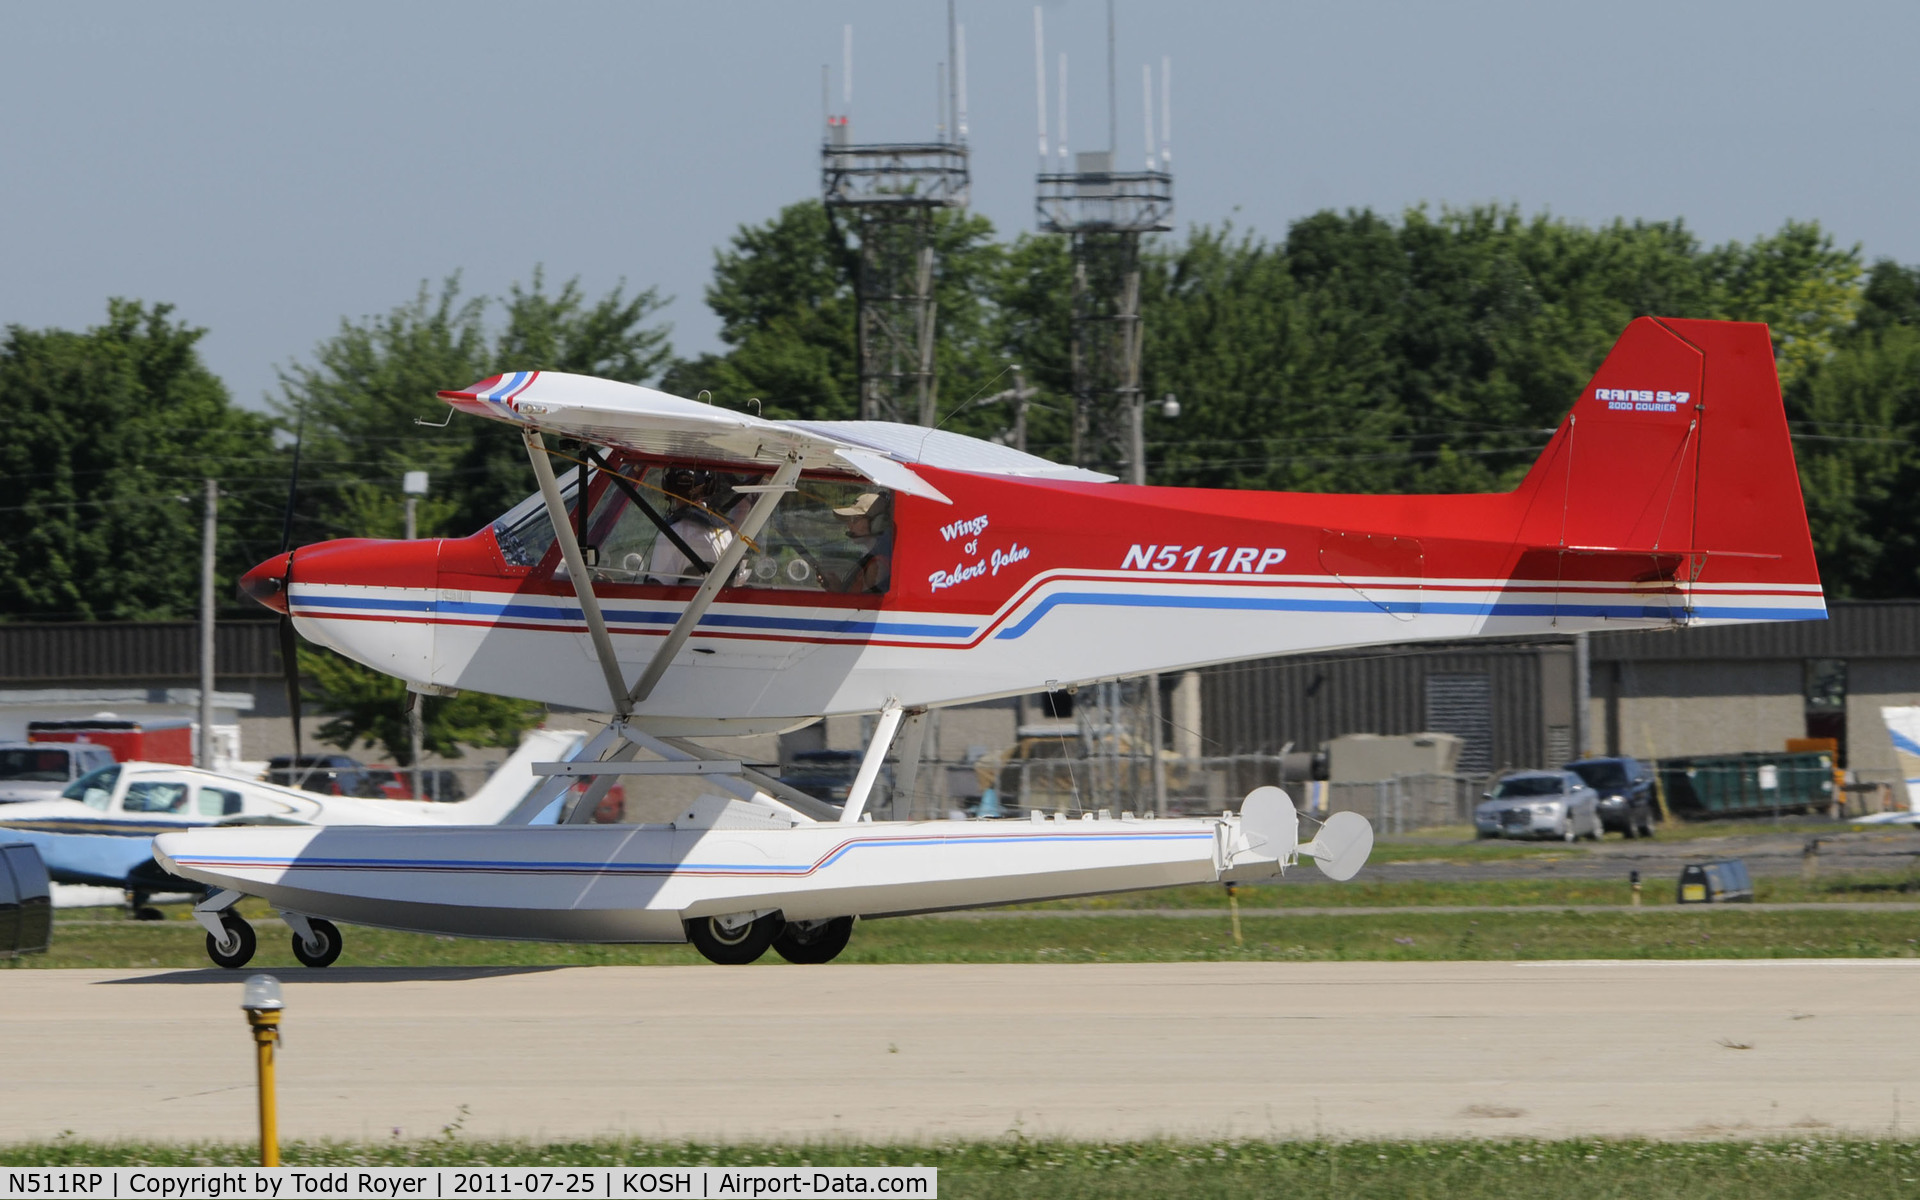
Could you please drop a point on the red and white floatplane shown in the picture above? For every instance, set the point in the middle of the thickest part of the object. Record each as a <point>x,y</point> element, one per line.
<point>700,572</point>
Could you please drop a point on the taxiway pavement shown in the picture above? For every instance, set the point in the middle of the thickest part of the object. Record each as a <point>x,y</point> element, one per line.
<point>1732,1048</point>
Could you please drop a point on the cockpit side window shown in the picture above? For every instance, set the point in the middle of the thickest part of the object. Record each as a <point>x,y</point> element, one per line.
<point>668,524</point>
<point>156,796</point>
<point>832,535</point>
<point>219,802</point>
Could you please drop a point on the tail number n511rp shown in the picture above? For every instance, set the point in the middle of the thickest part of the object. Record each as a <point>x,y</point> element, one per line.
<point>1247,560</point>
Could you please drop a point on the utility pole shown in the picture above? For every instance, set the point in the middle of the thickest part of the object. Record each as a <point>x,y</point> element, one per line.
<point>1582,697</point>
<point>1020,396</point>
<point>414,484</point>
<point>209,527</point>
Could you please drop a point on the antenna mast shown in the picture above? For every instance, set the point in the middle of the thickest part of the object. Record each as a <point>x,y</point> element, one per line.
<point>960,73</point>
<point>1113,105</point>
<point>953,76</point>
<point>1104,212</point>
<point>1040,78</point>
<point>889,193</point>
<point>1063,110</point>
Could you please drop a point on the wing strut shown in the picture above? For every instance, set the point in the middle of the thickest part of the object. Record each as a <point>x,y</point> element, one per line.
<point>577,569</point>
<point>870,765</point>
<point>717,577</point>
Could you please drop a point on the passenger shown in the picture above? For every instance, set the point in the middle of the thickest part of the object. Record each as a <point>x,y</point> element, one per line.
<point>690,516</point>
<point>870,520</point>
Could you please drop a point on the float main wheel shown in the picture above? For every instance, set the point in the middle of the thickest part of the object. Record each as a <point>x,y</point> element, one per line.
<point>736,947</point>
<point>236,949</point>
<point>327,935</point>
<point>814,941</point>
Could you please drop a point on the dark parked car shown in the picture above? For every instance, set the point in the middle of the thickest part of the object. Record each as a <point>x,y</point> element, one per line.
<point>1625,787</point>
<point>396,783</point>
<point>327,774</point>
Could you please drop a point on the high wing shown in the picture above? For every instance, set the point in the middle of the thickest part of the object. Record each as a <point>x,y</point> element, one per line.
<point>646,421</point>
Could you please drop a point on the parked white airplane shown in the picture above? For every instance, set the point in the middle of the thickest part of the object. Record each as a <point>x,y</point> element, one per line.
<point>101,829</point>
<point>1903,726</point>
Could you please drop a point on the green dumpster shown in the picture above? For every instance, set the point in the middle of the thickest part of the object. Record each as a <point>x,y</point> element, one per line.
<point>1743,785</point>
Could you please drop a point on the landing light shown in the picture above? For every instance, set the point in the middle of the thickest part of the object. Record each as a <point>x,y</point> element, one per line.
<point>261,993</point>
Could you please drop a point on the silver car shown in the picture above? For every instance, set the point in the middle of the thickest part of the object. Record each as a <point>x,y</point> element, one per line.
<point>1539,804</point>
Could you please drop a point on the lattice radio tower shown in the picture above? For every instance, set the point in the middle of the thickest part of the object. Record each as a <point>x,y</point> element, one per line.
<point>889,193</point>
<point>1105,211</point>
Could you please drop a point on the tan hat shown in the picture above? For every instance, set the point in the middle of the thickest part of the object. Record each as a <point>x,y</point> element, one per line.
<point>861,507</point>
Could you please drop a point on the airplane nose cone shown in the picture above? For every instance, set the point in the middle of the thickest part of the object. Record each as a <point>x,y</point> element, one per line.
<point>266,583</point>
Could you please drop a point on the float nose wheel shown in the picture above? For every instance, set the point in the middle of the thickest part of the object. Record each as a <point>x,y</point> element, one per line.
<point>737,946</point>
<point>321,947</point>
<point>235,949</point>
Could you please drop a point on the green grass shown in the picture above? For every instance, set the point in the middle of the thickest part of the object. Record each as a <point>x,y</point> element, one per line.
<point>1308,889</point>
<point>1729,931</point>
<point>1015,1166</point>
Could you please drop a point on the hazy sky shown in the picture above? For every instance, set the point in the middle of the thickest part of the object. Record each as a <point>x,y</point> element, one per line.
<point>270,169</point>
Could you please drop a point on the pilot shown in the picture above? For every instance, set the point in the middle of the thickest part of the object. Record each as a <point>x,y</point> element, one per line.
<point>694,519</point>
<point>869,521</point>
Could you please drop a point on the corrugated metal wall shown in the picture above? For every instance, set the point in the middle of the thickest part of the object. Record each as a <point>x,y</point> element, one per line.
<point>1258,707</point>
<point>1854,629</point>
<point>133,650</point>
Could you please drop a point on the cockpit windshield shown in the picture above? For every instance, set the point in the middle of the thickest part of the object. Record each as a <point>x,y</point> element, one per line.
<point>668,524</point>
<point>1602,776</point>
<point>524,533</point>
<point>94,789</point>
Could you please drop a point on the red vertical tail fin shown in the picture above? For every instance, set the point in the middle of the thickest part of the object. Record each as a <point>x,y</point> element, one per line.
<point>1678,448</point>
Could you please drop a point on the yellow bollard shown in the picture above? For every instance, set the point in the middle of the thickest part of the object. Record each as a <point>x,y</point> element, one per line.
<point>1233,906</point>
<point>261,1000</point>
<point>1635,877</point>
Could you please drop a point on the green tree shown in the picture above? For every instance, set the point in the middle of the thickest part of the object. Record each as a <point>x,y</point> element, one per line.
<point>1434,351</point>
<point>358,399</point>
<point>356,404</point>
<point>110,433</point>
<point>1856,420</point>
<point>1806,291</point>
<point>784,293</point>
<point>1367,355</point>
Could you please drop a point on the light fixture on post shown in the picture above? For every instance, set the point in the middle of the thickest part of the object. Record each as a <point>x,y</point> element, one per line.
<point>260,997</point>
<point>413,485</point>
